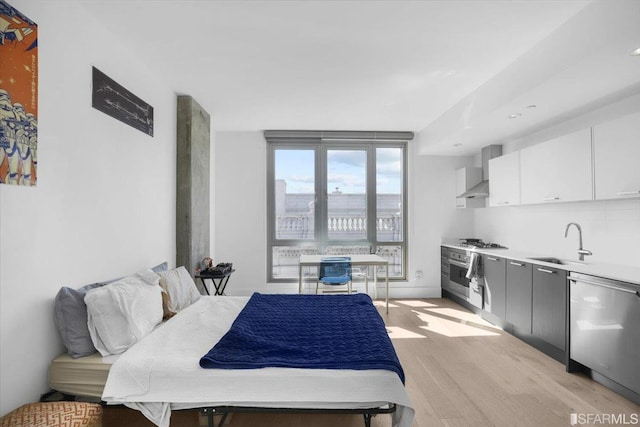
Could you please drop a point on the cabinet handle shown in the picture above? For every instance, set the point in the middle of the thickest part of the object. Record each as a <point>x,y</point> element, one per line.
<point>615,288</point>
<point>551,199</point>
<point>544,270</point>
<point>517,264</point>
<point>502,203</point>
<point>459,264</point>
<point>629,193</point>
<point>492,258</point>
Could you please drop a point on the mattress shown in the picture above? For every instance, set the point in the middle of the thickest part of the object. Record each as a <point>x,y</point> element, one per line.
<point>162,372</point>
<point>85,376</point>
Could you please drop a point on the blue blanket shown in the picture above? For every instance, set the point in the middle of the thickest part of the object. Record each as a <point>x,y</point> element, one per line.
<point>306,331</point>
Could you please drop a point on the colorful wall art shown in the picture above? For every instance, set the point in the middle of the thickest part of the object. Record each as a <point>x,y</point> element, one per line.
<point>116,101</point>
<point>18,97</point>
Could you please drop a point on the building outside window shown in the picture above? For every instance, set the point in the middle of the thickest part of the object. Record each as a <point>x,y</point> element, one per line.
<point>335,196</point>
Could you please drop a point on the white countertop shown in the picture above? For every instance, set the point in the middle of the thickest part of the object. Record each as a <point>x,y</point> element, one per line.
<point>624,273</point>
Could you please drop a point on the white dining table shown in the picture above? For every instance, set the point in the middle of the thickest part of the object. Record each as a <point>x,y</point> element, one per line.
<point>363,260</point>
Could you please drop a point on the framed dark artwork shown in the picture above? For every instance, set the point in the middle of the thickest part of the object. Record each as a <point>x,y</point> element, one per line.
<point>18,97</point>
<point>116,101</point>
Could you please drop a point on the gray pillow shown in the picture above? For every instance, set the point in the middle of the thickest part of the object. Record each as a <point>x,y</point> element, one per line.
<point>71,316</point>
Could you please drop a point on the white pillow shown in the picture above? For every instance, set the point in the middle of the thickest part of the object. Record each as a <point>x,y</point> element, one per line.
<point>181,288</point>
<point>123,312</point>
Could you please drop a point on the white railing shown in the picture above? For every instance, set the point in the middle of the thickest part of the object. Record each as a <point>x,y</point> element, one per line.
<point>293,227</point>
<point>302,227</point>
<point>347,224</point>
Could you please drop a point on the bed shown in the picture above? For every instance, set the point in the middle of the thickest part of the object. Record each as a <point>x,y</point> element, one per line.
<point>162,372</point>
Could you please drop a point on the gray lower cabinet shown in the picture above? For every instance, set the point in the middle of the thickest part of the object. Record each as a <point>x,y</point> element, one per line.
<point>519,295</point>
<point>444,267</point>
<point>550,305</point>
<point>495,282</point>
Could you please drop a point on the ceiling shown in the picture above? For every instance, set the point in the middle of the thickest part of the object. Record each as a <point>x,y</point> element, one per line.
<point>451,71</point>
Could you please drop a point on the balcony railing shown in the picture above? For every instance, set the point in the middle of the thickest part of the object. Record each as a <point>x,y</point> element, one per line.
<point>388,228</point>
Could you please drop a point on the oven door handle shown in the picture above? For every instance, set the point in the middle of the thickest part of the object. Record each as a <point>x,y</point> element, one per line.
<point>458,263</point>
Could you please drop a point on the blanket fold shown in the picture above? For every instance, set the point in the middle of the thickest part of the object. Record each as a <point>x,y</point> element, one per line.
<point>306,331</point>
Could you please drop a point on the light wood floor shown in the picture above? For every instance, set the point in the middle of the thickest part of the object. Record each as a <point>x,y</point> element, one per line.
<point>461,371</point>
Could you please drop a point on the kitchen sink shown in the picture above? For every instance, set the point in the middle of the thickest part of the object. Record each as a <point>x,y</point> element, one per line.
<point>559,261</point>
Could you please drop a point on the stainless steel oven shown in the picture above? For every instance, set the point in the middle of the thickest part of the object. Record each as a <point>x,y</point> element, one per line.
<point>458,267</point>
<point>467,289</point>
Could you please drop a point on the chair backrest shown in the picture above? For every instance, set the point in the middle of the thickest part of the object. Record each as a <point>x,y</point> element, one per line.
<point>335,268</point>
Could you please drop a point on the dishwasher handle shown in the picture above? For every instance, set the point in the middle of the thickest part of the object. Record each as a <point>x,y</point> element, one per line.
<point>604,285</point>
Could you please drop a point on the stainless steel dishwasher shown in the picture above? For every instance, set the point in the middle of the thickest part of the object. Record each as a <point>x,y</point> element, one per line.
<point>605,328</point>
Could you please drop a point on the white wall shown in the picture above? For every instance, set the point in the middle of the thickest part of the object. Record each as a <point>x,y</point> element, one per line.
<point>611,229</point>
<point>240,206</point>
<point>434,215</point>
<point>240,215</point>
<point>104,205</point>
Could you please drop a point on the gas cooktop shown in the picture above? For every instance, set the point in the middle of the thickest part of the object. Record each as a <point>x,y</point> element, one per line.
<point>477,243</point>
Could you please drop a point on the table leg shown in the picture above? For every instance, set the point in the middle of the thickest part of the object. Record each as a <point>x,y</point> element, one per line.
<point>221,286</point>
<point>204,285</point>
<point>375,281</point>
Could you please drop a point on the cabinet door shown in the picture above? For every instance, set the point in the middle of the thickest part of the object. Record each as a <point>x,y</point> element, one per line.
<point>550,305</point>
<point>494,285</point>
<point>444,267</point>
<point>616,153</point>
<point>504,180</point>
<point>519,295</point>
<point>558,170</point>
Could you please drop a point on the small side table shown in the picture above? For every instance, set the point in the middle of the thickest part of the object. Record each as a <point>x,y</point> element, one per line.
<point>219,281</point>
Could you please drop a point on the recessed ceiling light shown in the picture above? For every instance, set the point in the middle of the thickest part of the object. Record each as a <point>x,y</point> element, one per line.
<point>636,52</point>
<point>514,115</point>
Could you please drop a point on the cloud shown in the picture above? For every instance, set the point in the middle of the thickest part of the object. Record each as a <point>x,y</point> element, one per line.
<point>347,183</point>
<point>345,157</point>
<point>301,179</point>
<point>389,161</point>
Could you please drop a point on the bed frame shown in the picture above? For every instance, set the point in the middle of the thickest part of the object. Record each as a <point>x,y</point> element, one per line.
<point>367,413</point>
<point>224,411</point>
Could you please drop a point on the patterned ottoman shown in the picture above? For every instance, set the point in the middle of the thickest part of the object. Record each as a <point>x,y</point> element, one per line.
<point>54,414</point>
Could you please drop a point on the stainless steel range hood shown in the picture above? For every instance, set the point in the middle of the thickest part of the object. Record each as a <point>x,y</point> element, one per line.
<point>482,189</point>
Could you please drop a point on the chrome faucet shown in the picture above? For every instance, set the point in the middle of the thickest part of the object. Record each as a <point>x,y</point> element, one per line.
<point>581,252</point>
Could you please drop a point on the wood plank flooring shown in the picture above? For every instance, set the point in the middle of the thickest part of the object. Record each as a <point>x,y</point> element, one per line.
<point>461,371</point>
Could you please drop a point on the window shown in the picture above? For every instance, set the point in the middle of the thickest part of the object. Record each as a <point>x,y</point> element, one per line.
<point>335,197</point>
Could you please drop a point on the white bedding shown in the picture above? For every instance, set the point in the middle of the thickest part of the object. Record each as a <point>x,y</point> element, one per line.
<point>162,372</point>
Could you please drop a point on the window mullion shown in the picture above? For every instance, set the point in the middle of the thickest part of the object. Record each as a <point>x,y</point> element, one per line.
<point>321,197</point>
<point>371,197</point>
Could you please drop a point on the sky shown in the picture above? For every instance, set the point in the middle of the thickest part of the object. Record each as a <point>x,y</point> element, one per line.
<point>346,170</point>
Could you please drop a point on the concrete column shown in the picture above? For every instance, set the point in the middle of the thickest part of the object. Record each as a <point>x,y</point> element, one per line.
<point>193,182</point>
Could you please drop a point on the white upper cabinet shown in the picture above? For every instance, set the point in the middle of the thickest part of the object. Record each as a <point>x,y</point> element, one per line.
<point>504,180</point>
<point>466,178</point>
<point>559,170</point>
<point>617,153</point>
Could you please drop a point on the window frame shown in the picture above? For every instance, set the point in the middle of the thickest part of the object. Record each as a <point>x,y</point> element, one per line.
<point>321,236</point>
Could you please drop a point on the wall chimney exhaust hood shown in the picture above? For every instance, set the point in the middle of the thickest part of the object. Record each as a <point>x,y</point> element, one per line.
<point>482,189</point>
